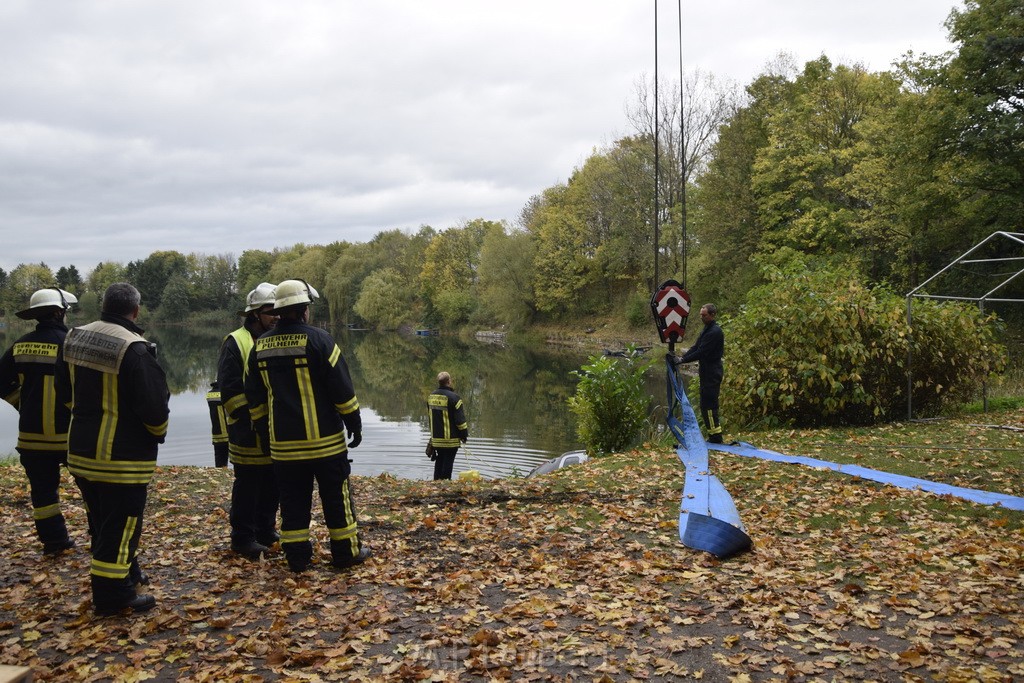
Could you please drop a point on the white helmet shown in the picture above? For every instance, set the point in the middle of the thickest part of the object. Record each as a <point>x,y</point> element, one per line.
<point>258,298</point>
<point>292,292</point>
<point>46,298</point>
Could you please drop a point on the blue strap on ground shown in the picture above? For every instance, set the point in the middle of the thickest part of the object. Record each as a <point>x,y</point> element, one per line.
<point>975,495</point>
<point>708,519</point>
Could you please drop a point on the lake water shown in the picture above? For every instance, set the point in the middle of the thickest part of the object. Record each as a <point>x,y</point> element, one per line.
<point>515,400</point>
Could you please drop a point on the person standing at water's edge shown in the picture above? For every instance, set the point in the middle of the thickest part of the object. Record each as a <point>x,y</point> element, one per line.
<point>108,375</point>
<point>254,496</point>
<point>300,394</point>
<point>448,426</point>
<point>26,382</point>
<point>708,351</point>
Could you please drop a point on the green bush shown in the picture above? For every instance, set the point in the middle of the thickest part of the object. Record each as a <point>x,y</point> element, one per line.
<point>638,310</point>
<point>610,403</point>
<point>815,348</point>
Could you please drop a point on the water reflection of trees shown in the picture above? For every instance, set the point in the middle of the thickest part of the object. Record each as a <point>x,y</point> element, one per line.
<point>507,390</point>
<point>188,355</point>
<point>513,393</point>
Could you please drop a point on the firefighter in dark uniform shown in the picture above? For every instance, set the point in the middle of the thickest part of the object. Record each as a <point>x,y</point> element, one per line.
<point>707,351</point>
<point>300,394</point>
<point>117,393</point>
<point>26,382</point>
<point>254,497</point>
<point>218,426</point>
<point>448,426</point>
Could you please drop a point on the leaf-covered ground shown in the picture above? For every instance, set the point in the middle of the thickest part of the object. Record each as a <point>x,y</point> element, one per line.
<point>576,576</point>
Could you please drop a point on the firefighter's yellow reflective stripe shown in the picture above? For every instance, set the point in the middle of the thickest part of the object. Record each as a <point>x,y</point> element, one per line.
<point>344,533</point>
<point>458,404</point>
<point>258,412</point>
<point>461,426</point>
<point>294,535</point>
<point>335,355</point>
<point>126,537</point>
<point>35,352</point>
<point>308,450</point>
<point>445,443</point>
<point>14,398</point>
<point>44,438</point>
<point>108,423</point>
<point>157,430</point>
<point>46,511</point>
<point>350,406</point>
<point>713,427</point>
<point>437,401</point>
<point>237,449</point>
<point>349,533</point>
<point>48,446</point>
<point>249,459</point>
<point>109,570</point>
<point>49,404</point>
<point>308,401</point>
<point>112,471</point>
<point>234,403</point>
<point>213,396</point>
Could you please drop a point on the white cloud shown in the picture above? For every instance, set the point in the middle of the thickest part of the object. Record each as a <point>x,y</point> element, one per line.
<point>128,126</point>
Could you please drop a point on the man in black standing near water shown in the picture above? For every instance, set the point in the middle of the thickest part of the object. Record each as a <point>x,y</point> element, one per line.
<point>118,395</point>
<point>26,382</point>
<point>707,351</point>
<point>448,426</point>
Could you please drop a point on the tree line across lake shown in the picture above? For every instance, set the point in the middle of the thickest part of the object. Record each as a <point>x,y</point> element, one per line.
<point>857,179</point>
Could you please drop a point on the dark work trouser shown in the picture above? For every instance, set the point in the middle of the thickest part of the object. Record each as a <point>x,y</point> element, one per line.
<point>444,462</point>
<point>115,518</point>
<point>254,502</point>
<point>295,483</point>
<point>220,454</point>
<point>709,389</point>
<point>43,471</point>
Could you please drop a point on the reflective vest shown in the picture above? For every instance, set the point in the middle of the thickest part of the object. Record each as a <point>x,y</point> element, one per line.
<point>244,446</point>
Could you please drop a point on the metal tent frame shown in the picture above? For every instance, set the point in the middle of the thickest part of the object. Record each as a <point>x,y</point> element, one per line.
<point>1014,237</point>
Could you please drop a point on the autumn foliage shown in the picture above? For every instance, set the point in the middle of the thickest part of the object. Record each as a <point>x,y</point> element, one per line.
<point>576,576</point>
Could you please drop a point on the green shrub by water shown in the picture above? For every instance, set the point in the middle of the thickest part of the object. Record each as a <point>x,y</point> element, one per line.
<point>610,403</point>
<point>815,348</point>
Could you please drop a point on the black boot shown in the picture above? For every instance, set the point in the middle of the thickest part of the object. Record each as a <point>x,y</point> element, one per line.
<point>251,550</point>
<point>345,563</point>
<point>140,603</point>
<point>57,547</point>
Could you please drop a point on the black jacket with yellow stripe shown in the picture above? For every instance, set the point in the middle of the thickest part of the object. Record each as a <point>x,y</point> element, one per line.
<point>118,398</point>
<point>244,447</point>
<point>448,426</point>
<point>299,381</point>
<point>26,382</point>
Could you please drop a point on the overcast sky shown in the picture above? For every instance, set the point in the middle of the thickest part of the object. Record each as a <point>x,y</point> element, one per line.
<point>128,126</point>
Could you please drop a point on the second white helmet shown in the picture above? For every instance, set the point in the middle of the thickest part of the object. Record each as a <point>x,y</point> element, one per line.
<point>262,295</point>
